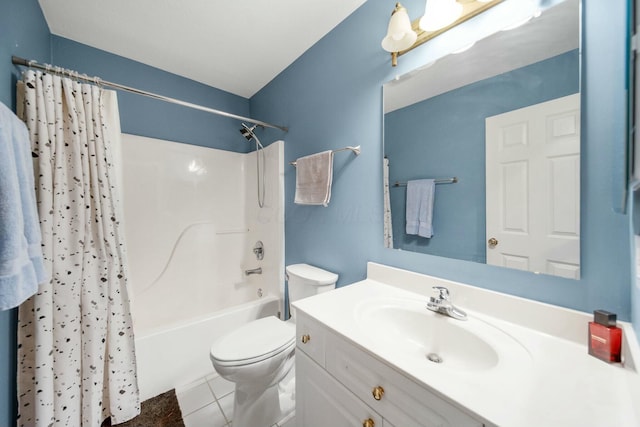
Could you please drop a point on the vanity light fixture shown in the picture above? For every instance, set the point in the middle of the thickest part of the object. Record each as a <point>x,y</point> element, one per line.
<point>400,35</point>
<point>440,16</point>
<point>439,13</point>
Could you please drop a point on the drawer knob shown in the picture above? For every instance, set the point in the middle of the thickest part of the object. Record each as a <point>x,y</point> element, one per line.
<point>377,392</point>
<point>305,338</point>
<point>368,423</point>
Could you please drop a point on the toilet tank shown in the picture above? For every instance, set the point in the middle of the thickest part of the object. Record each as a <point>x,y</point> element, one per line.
<point>305,280</point>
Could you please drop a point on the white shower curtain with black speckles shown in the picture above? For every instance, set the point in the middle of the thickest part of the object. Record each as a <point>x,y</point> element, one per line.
<point>76,354</point>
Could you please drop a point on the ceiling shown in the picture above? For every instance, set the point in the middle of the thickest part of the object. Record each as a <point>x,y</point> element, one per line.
<point>238,46</point>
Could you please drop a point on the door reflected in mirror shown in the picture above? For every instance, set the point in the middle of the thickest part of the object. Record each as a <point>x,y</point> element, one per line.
<point>503,118</point>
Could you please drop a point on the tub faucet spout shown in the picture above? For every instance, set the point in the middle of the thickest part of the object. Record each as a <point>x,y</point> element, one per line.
<point>253,271</point>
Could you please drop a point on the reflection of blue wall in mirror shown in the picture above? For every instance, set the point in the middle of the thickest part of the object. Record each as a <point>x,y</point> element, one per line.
<point>444,136</point>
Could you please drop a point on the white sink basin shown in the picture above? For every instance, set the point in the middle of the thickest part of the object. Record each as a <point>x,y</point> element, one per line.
<point>415,332</point>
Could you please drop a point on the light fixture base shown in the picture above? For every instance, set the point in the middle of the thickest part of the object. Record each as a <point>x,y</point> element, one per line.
<point>470,9</point>
<point>394,59</point>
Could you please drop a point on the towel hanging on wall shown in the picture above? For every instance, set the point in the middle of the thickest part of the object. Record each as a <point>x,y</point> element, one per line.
<point>314,175</point>
<point>420,196</point>
<point>21,263</point>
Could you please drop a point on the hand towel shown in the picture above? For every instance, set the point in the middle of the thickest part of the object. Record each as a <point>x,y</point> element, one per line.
<point>21,262</point>
<point>314,175</point>
<point>419,212</point>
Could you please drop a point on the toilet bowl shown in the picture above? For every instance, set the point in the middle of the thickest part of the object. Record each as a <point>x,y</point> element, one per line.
<point>256,357</point>
<point>259,356</point>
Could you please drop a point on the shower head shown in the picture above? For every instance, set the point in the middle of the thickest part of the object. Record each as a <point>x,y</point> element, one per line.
<point>247,132</point>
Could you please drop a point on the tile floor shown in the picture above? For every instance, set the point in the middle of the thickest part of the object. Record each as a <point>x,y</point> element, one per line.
<point>208,402</point>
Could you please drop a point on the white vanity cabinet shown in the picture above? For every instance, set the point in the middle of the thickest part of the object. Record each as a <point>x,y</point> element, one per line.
<point>366,360</point>
<point>339,384</point>
<point>321,401</point>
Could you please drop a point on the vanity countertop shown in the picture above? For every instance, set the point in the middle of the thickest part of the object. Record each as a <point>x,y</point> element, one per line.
<point>544,377</point>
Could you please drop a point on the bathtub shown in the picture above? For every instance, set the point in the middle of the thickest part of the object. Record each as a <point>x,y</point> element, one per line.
<point>179,354</point>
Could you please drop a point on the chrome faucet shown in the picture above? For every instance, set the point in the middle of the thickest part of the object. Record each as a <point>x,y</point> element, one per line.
<point>253,271</point>
<point>442,304</point>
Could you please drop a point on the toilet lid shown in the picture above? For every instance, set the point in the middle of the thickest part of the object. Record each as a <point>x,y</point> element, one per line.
<point>316,275</point>
<point>255,341</point>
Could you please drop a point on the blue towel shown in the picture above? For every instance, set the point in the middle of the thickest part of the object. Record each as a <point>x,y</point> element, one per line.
<point>21,263</point>
<point>420,195</point>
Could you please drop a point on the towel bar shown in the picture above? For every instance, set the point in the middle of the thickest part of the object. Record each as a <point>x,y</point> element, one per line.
<point>452,180</point>
<point>356,150</point>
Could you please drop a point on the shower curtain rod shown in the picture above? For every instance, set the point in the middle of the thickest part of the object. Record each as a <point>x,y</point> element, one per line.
<point>98,81</point>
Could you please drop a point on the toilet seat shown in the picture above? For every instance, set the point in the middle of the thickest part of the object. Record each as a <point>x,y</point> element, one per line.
<point>256,341</point>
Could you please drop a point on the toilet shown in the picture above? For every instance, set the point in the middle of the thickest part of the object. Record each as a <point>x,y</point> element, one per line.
<point>259,356</point>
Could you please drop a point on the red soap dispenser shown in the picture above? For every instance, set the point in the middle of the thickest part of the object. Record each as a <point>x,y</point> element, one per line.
<point>605,338</point>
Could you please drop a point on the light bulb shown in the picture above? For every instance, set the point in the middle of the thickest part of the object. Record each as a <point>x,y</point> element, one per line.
<point>440,13</point>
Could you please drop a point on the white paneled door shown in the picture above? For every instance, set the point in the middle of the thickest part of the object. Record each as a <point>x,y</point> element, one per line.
<point>533,188</point>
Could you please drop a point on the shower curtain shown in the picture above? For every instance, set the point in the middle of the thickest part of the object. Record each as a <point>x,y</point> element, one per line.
<point>76,356</point>
<point>388,228</point>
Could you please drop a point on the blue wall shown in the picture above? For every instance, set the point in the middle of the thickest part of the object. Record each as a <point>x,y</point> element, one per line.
<point>157,119</point>
<point>331,97</point>
<point>23,32</point>
<point>444,136</point>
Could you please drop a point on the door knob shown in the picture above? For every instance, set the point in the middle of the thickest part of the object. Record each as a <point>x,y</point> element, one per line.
<point>368,423</point>
<point>493,242</point>
<point>305,339</point>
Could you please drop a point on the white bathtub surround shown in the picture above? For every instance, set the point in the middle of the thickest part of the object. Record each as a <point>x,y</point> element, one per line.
<point>523,363</point>
<point>191,222</point>
<point>76,352</point>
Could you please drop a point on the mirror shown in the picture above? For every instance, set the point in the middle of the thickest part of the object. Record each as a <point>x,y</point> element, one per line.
<point>503,119</point>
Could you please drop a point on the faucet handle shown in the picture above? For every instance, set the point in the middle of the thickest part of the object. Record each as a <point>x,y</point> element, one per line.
<point>443,293</point>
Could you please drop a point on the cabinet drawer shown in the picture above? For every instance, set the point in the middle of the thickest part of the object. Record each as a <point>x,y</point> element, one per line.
<point>321,401</point>
<point>403,403</point>
<point>310,337</point>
